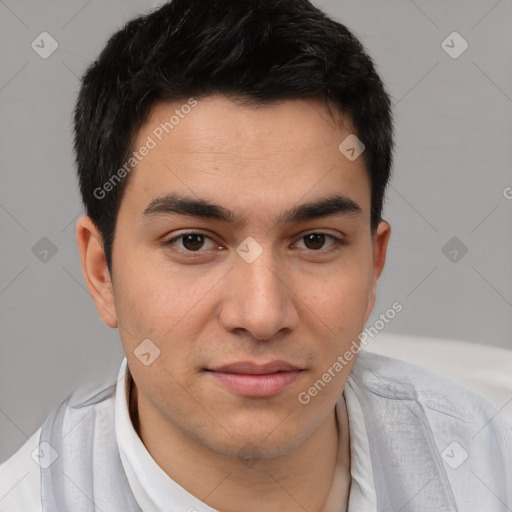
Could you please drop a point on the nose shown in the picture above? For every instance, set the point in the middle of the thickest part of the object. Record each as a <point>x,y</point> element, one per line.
<point>261,299</point>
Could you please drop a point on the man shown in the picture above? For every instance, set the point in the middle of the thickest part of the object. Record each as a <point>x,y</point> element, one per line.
<point>233,158</point>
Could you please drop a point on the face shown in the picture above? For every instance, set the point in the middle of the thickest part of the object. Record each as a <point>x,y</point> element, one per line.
<point>276,296</point>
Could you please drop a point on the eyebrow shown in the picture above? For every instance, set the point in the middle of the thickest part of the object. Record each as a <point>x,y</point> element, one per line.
<point>174,204</point>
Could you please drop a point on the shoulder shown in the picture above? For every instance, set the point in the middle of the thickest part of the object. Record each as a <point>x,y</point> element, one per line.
<point>20,479</point>
<point>416,417</point>
<point>391,390</point>
<point>395,379</point>
<point>20,475</point>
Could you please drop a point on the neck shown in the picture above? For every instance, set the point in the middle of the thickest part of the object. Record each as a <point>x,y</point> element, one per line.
<point>300,480</point>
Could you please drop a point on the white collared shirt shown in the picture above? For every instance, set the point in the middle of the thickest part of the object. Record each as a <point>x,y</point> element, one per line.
<point>155,491</point>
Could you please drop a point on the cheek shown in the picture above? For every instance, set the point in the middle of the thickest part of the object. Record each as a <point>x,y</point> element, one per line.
<point>343,296</point>
<point>338,308</point>
<point>167,307</point>
<point>154,299</point>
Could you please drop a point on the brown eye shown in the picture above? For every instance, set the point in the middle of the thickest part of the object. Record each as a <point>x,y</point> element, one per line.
<point>315,241</point>
<point>191,242</point>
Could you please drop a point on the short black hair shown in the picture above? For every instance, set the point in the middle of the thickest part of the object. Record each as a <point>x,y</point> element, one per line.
<point>262,51</point>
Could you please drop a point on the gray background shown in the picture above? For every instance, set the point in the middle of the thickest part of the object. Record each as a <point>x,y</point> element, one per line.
<point>452,166</point>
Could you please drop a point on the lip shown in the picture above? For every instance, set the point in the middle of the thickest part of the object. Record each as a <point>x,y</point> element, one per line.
<point>250,368</point>
<point>256,380</point>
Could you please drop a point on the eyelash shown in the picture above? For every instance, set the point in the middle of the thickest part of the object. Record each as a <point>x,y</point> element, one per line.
<point>337,242</point>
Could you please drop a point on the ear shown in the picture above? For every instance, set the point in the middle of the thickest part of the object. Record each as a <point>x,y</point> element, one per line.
<point>95,270</point>
<point>380,245</point>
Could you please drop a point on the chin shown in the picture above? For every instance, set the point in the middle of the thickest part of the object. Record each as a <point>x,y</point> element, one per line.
<point>248,441</point>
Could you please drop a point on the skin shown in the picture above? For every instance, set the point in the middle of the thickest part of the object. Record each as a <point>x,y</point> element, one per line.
<point>304,303</point>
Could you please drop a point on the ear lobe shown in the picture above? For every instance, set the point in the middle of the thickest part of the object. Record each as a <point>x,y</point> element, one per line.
<point>95,270</point>
<point>380,244</point>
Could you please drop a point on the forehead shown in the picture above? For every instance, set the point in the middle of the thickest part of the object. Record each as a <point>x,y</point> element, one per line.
<point>250,158</point>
